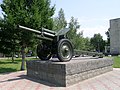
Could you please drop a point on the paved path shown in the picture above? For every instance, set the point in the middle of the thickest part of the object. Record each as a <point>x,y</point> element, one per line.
<point>19,81</point>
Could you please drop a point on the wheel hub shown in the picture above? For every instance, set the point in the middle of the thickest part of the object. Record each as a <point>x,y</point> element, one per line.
<point>65,51</point>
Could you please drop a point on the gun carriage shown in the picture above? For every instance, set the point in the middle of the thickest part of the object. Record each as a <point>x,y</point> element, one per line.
<point>53,43</point>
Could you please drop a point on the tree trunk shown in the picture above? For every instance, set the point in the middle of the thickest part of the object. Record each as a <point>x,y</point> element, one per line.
<point>12,56</point>
<point>4,55</point>
<point>23,58</point>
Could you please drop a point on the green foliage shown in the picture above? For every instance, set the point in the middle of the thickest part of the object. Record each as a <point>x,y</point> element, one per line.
<point>77,39</point>
<point>87,45</point>
<point>60,22</point>
<point>8,44</point>
<point>79,42</point>
<point>98,42</point>
<point>31,13</point>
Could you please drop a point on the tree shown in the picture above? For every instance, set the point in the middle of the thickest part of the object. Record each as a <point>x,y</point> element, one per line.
<point>87,44</point>
<point>60,22</point>
<point>108,37</point>
<point>76,38</point>
<point>98,42</point>
<point>31,13</point>
<point>8,44</point>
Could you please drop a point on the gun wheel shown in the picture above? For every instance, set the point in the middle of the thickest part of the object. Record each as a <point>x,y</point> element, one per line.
<point>43,52</point>
<point>65,50</point>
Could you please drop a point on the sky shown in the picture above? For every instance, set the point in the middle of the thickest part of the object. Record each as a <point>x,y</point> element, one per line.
<point>92,15</point>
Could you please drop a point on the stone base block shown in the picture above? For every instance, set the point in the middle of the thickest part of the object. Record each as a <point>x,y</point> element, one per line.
<point>68,73</point>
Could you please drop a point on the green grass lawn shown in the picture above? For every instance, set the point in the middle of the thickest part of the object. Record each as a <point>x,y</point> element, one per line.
<point>6,65</point>
<point>116,62</point>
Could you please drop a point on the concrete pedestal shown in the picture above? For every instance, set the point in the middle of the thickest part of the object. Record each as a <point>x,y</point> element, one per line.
<point>68,73</point>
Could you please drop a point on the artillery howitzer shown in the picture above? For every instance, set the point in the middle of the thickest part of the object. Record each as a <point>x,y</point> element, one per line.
<point>53,43</point>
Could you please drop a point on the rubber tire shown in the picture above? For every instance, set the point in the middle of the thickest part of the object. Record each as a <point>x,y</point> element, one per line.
<point>43,54</point>
<point>60,44</point>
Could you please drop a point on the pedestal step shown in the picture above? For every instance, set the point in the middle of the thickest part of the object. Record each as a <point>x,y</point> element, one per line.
<point>68,73</point>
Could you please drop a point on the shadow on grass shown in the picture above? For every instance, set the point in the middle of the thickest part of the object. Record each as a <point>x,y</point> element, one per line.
<point>4,70</point>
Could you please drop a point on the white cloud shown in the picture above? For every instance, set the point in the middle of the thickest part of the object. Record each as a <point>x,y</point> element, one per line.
<point>91,26</point>
<point>89,32</point>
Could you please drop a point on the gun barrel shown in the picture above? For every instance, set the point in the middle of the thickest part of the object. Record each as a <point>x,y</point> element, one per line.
<point>49,31</point>
<point>44,32</point>
<point>29,29</point>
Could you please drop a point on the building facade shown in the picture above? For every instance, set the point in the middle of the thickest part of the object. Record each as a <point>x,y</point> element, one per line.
<point>115,36</point>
